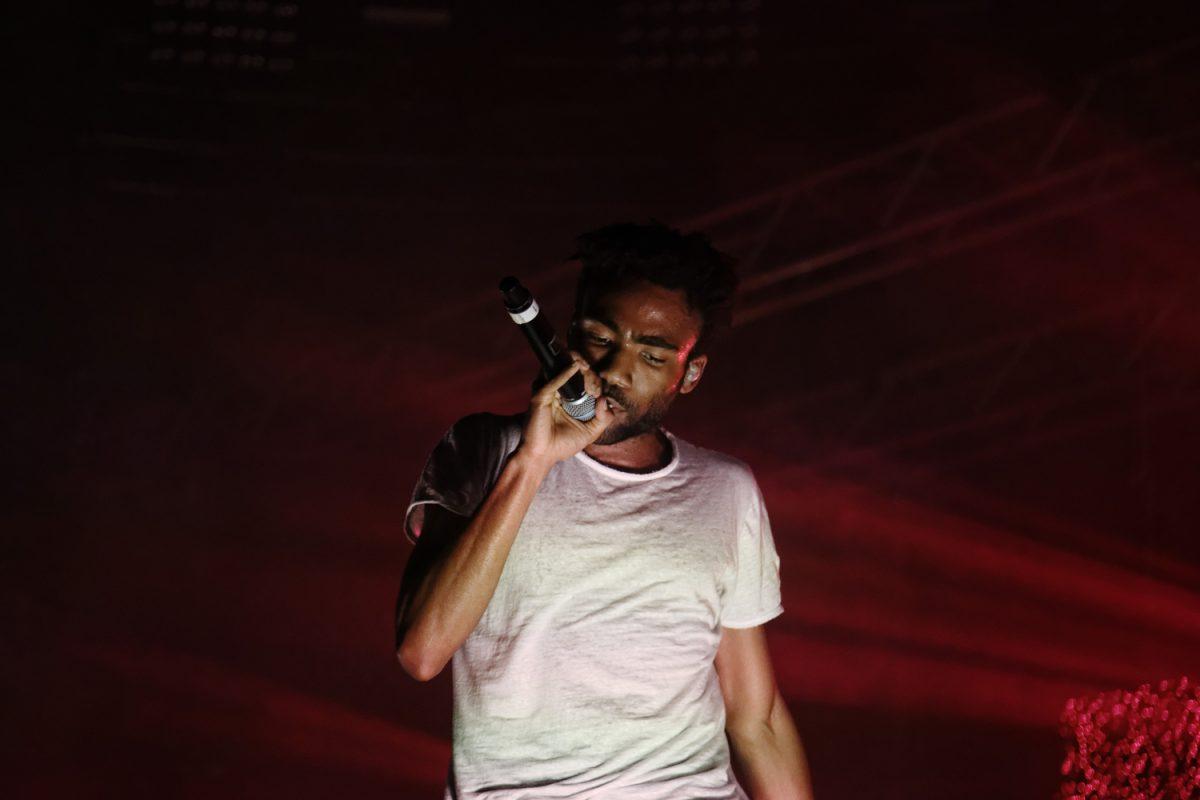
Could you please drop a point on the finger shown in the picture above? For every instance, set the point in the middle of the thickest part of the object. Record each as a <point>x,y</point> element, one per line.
<point>604,415</point>
<point>591,381</point>
<point>558,380</point>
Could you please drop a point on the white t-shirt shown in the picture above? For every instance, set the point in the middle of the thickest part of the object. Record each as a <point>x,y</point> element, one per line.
<point>590,674</point>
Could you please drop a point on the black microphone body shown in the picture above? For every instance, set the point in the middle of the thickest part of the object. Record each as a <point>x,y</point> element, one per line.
<point>551,355</point>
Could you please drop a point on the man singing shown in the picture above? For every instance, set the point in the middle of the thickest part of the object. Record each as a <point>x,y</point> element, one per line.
<point>601,586</point>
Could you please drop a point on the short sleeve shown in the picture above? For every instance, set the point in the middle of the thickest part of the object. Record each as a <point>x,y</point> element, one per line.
<point>754,594</point>
<point>459,472</point>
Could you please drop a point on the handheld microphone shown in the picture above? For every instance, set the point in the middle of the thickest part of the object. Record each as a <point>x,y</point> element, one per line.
<point>549,351</point>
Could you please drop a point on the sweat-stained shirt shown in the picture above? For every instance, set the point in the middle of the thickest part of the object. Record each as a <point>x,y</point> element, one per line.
<point>590,674</point>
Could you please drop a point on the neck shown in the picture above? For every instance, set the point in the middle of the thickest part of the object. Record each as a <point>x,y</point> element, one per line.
<point>645,452</point>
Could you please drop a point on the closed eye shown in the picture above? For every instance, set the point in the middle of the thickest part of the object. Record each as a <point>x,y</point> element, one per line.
<point>601,341</point>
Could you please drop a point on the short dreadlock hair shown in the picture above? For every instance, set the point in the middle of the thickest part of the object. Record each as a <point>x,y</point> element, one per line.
<point>617,255</point>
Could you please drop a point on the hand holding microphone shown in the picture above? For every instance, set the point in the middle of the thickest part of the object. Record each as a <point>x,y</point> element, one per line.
<point>564,416</point>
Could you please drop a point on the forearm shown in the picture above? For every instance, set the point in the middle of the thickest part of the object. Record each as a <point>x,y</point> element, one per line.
<point>770,757</point>
<point>450,602</point>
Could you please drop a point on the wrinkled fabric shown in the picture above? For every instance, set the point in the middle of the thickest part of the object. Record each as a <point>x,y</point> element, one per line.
<point>591,672</point>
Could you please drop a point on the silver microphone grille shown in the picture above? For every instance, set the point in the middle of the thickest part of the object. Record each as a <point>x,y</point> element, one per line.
<point>582,409</point>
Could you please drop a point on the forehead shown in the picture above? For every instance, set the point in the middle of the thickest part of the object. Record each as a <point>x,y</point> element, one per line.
<point>644,307</point>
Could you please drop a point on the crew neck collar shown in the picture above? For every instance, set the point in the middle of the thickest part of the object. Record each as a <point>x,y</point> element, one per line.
<point>622,475</point>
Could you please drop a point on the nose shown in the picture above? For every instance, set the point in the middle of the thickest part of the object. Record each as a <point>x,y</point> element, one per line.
<point>617,368</point>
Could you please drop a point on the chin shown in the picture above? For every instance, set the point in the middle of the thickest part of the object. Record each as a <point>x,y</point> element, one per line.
<point>627,429</point>
<point>622,430</point>
<point>613,434</point>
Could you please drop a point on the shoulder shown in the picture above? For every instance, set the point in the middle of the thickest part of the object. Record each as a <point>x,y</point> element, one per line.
<point>479,421</point>
<point>485,433</point>
<point>485,424</point>
<point>723,467</point>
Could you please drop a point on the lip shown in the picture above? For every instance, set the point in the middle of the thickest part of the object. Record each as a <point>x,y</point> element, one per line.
<point>614,405</point>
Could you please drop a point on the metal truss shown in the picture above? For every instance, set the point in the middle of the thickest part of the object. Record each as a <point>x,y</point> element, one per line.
<point>1023,182</point>
<point>971,184</point>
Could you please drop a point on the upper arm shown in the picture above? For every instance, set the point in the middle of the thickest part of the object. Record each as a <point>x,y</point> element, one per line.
<point>747,680</point>
<point>437,532</point>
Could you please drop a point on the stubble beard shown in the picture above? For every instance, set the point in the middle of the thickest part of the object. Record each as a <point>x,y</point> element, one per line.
<point>635,424</point>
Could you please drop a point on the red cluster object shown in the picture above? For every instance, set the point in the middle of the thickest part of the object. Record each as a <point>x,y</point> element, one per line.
<point>1141,745</point>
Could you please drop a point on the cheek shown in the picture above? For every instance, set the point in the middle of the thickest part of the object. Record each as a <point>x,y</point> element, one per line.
<point>592,352</point>
<point>665,376</point>
<point>655,390</point>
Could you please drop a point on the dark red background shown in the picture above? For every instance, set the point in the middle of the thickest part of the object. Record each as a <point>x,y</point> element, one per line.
<point>245,305</point>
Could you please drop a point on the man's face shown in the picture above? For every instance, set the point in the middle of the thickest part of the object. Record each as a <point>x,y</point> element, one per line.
<point>638,339</point>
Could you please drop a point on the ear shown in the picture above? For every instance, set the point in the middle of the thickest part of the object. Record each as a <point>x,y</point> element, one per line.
<point>693,373</point>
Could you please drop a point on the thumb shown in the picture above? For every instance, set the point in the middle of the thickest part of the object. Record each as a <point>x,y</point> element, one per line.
<point>604,415</point>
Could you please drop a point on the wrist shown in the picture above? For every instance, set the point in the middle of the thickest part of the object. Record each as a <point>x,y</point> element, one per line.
<point>529,465</point>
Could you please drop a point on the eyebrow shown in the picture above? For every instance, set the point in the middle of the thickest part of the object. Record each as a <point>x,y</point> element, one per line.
<point>653,341</point>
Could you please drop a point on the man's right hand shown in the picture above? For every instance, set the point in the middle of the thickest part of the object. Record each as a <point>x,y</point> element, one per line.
<point>551,434</point>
